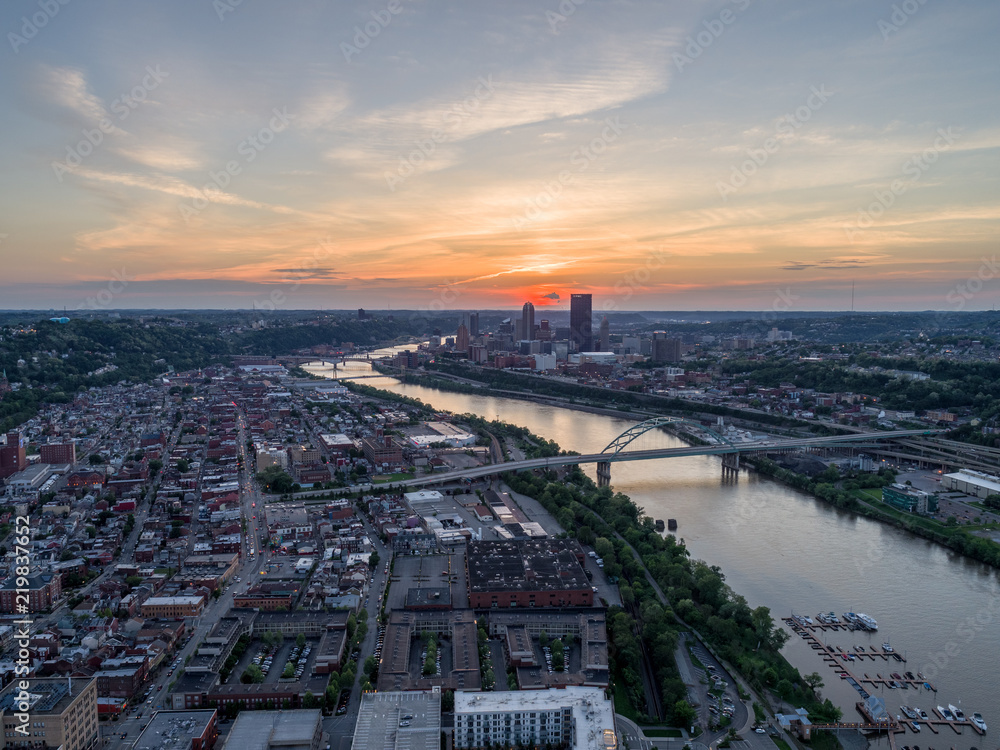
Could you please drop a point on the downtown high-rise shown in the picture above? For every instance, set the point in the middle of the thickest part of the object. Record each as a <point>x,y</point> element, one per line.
<point>581,326</point>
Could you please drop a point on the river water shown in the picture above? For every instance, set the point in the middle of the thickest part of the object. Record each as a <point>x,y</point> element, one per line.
<point>794,554</point>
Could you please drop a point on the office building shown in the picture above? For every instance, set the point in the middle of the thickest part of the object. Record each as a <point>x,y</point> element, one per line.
<point>528,321</point>
<point>665,349</point>
<point>605,335</point>
<point>471,321</point>
<point>462,339</point>
<point>581,324</point>
<point>62,713</point>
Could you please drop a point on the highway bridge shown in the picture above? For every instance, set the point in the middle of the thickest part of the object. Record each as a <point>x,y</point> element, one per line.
<point>614,452</point>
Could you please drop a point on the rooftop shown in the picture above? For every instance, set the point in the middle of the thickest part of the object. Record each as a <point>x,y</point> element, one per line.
<point>593,713</point>
<point>526,565</point>
<point>261,730</point>
<point>174,730</point>
<point>381,714</point>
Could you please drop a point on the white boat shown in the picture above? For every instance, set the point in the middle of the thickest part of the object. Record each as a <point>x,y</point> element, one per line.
<point>923,715</point>
<point>886,647</point>
<point>945,713</point>
<point>957,712</point>
<point>977,719</point>
<point>868,622</point>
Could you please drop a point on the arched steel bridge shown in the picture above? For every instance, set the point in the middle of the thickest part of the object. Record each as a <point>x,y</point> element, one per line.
<point>729,451</point>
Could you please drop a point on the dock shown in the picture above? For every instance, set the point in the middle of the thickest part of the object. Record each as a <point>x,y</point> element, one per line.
<point>839,659</point>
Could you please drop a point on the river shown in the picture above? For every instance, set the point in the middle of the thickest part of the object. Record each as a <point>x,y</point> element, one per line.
<point>784,549</point>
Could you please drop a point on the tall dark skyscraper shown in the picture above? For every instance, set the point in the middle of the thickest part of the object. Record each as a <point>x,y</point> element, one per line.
<point>528,321</point>
<point>581,321</point>
<point>471,321</point>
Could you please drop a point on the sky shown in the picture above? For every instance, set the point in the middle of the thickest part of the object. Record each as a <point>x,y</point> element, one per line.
<point>665,155</point>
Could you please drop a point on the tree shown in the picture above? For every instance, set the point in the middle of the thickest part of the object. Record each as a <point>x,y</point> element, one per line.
<point>370,665</point>
<point>814,681</point>
<point>684,714</point>
<point>183,465</point>
<point>253,674</point>
<point>96,459</point>
<point>300,640</point>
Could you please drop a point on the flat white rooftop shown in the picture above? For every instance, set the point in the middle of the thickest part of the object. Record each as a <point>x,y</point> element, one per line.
<point>593,713</point>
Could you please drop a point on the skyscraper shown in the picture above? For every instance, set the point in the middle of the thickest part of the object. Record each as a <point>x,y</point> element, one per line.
<point>462,339</point>
<point>528,321</point>
<point>471,321</point>
<point>605,335</point>
<point>581,331</point>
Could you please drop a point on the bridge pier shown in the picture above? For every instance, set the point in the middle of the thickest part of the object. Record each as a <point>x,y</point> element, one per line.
<point>603,473</point>
<point>730,465</point>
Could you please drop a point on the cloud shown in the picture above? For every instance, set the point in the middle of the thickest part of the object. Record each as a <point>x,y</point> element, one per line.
<point>843,262</point>
<point>551,295</point>
<point>67,87</point>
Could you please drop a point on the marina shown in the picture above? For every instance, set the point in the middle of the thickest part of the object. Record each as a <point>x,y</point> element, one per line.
<point>873,708</point>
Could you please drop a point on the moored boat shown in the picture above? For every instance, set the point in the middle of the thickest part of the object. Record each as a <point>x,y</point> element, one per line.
<point>957,712</point>
<point>977,719</point>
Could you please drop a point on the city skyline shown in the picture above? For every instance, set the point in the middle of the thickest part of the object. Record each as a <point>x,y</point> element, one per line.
<point>390,155</point>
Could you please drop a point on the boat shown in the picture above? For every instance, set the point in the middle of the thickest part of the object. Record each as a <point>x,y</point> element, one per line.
<point>923,715</point>
<point>945,713</point>
<point>930,687</point>
<point>915,726</point>
<point>895,676</point>
<point>867,622</point>
<point>959,716</point>
<point>977,719</point>
<point>908,712</point>
<point>886,647</point>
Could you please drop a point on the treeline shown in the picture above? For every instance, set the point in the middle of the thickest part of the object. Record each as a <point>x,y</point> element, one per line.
<point>952,384</point>
<point>954,537</point>
<point>699,597</point>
